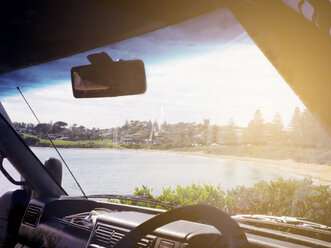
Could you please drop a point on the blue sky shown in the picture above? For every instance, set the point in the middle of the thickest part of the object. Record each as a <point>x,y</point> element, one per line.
<point>206,68</point>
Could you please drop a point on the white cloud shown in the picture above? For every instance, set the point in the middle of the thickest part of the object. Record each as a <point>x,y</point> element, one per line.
<point>231,81</point>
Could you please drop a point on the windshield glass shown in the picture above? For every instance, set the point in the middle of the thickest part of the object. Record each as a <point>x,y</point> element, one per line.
<point>216,112</point>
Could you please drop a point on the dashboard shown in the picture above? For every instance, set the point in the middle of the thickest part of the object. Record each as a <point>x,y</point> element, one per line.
<point>76,222</point>
<point>82,223</point>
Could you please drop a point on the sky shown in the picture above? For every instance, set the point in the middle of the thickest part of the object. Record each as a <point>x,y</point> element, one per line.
<point>206,68</point>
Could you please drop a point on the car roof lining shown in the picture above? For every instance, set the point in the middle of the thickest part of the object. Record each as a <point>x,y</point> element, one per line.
<point>37,32</point>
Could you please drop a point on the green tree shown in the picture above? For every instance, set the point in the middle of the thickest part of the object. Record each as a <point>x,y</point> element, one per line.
<point>58,127</point>
<point>295,127</point>
<point>215,134</point>
<point>275,130</point>
<point>312,131</point>
<point>306,131</point>
<point>205,135</point>
<point>255,131</point>
<point>277,122</point>
<point>229,134</point>
<point>43,128</point>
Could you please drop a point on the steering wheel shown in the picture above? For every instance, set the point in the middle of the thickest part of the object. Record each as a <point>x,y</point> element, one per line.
<point>233,235</point>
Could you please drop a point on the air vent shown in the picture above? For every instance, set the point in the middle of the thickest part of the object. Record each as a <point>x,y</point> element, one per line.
<point>117,236</point>
<point>102,235</point>
<point>106,236</point>
<point>146,243</point>
<point>143,243</point>
<point>32,215</point>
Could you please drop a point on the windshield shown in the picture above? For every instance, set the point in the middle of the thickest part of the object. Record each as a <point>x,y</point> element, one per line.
<point>216,114</point>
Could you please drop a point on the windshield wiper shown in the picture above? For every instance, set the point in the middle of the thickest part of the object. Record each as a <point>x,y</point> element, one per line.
<point>282,220</point>
<point>135,198</point>
<point>285,224</point>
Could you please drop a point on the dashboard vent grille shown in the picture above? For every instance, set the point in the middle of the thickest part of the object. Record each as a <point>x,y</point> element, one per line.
<point>102,235</point>
<point>106,236</point>
<point>145,243</point>
<point>117,236</point>
<point>32,215</point>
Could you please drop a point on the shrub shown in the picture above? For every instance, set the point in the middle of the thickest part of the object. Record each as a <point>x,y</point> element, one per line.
<point>297,198</point>
<point>194,194</point>
<point>31,141</point>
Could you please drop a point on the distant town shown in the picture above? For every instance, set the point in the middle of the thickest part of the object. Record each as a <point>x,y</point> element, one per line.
<point>302,131</point>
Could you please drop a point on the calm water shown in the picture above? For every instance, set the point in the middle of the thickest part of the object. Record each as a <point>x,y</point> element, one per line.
<point>120,171</point>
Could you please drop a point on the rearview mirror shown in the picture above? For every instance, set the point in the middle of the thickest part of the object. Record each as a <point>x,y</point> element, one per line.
<point>109,79</point>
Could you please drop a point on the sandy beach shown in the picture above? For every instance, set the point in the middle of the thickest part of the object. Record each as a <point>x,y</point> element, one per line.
<point>317,171</point>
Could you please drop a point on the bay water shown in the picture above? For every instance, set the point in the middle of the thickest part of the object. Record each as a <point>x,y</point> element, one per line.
<point>110,171</point>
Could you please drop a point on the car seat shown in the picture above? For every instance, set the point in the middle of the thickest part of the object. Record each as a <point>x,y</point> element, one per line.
<point>12,207</point>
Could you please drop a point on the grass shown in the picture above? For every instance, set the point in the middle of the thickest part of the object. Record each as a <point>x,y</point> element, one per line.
<point>68,143</point>
<point>78,143</point>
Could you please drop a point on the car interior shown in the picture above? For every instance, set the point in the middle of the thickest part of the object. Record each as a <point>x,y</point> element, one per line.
<point>41,213</point>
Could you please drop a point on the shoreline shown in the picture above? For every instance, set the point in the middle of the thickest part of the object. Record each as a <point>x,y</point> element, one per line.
<point>320,173</point>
